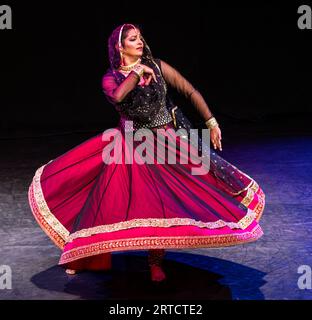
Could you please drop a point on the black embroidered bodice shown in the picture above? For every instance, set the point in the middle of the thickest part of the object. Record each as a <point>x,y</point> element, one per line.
<point>145,106</point>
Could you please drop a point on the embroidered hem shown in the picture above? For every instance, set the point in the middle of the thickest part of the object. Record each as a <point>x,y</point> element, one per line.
<point>60,235</point>
<point>163,223</point>
<point>167,242</point>
<point>45,218</point>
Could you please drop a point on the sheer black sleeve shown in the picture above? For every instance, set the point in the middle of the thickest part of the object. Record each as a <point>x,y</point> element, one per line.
<point>116,93</point>
<point>177,81</point>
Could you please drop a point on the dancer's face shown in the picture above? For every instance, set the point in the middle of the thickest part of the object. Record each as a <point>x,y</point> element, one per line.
<point>133,44</point>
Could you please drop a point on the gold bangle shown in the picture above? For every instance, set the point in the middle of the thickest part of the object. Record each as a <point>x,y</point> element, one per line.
<point>139,70</point>
<point>173,116</point>
<point>211,123</point>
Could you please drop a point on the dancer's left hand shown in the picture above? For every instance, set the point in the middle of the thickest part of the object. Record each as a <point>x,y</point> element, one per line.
<point>215,137</point>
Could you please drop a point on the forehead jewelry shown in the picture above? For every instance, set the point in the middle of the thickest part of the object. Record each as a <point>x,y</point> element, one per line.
<point>120,34</point>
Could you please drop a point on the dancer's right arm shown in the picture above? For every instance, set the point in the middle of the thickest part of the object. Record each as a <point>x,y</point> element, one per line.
<point>116,93</point>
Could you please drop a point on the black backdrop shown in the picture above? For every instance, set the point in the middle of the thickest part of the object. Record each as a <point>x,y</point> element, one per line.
<point>251,62</point>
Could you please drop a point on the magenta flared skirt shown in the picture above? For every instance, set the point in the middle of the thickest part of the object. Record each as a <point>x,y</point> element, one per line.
<point>91,207</point>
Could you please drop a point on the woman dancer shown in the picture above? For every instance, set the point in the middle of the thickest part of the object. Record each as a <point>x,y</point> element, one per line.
<point>91,207</point>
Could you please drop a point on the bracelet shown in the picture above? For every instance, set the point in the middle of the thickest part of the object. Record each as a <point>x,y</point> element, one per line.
<point>211,123</point>
<point>139,70</point>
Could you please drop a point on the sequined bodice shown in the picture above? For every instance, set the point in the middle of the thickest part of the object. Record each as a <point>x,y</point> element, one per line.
<point>162,117</point>
<point>145,106</point>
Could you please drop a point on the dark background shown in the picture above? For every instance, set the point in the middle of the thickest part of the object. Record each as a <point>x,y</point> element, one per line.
<point>250,62</point>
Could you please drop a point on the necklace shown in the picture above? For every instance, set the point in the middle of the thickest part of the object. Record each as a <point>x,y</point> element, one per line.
<point>129,67</point>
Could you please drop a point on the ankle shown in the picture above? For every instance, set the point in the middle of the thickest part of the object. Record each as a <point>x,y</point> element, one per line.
<point>157,273</point>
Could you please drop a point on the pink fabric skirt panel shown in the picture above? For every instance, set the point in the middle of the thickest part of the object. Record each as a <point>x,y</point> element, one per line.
<point>90,208</point>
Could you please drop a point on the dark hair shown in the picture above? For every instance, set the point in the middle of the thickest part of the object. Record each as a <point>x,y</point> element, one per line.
<point>113,50</point>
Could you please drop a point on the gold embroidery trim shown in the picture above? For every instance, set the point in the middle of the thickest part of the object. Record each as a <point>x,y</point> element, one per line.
<point>42,223</point>
<point>248,198</point>
<point>163,223</point>
<point>260,206</point>
<point>254,187</point>
<point>41,211</point>
<point>239,192</point>
<point>51,225</point>
<point>160,243</point>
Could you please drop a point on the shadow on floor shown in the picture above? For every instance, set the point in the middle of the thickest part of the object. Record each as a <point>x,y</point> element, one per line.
<point>189,277</point>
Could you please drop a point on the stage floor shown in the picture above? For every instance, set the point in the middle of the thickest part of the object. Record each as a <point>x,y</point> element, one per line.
<point>266,269</point>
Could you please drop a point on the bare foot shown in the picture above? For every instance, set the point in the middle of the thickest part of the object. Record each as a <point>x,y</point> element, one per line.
<point>70,271</point>
<point>157,273</point>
